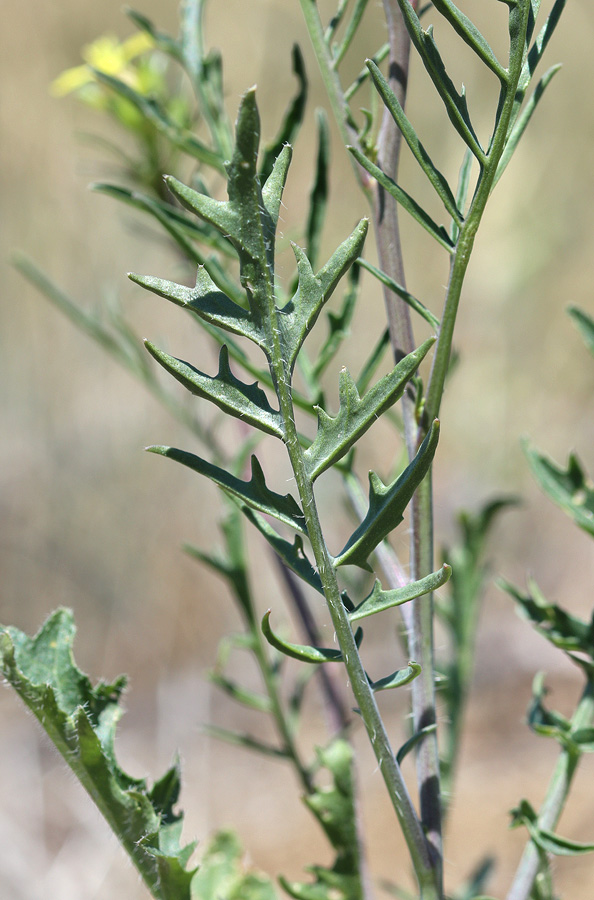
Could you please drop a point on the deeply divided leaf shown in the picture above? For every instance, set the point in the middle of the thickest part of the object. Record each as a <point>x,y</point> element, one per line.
<point>245,401</point>
<point>336,435</point>
<point>254,492</point>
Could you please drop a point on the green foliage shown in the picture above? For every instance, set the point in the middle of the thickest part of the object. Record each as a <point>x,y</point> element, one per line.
<point>81,721</point>
<point>184,143</point>
<point>334,808</point>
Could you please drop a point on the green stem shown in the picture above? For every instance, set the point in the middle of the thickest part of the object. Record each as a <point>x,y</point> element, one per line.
<point>554,802</point>
<point>468,230</point>
<point>401,801</point>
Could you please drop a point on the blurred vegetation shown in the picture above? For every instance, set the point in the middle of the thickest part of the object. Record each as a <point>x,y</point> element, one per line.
<point>73,426</point>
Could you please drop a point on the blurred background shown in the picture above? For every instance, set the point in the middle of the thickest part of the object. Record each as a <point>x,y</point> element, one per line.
<point>89,521</point>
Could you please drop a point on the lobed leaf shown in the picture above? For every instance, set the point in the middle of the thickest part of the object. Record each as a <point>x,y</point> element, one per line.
<point>292,555</point>
<point>302,652</point>
<point>559,627</point>
<point>336,435</point>
<point>244,401</point>
<point>545,840</point>
<point>81,722</point>
<point>255,492</point>
<point>299,316</point>
<point>387,504</point>
<point>207,302</point>
<point>379,600</point>
<point>224,874</point>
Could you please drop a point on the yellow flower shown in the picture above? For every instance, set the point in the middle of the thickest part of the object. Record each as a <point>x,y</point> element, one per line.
<point>107,55</point>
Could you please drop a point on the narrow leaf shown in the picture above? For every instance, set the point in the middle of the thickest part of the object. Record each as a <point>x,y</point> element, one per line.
<point>414,741</point>
<point>387,504</point>
<point>406,201</point>
<point>336,435</point>
<point>462,191</point>
<point>350,31</point>
<point>471,36</point>
<point>254,492</point>
<point>396,679</point>
<point>81,722</point>
<point>339,324</point>
<point>244,401</point>
<point>293,117</point>
<point>409,134</point>
<point>301,651</point>
<point>522,121</point>
<point>153,113</point>
<point>318,197</point>
<point>454,103</point>
<point>585,325</point>
<point>244,740</point>
<point>379,600</point>
<point>240,694</point>
<point>401,292</point>
<point>203,233</point>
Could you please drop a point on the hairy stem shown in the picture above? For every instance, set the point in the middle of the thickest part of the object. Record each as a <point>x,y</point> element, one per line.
<point>554,802</point>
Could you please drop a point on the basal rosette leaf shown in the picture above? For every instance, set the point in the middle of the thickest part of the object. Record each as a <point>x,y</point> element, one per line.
<point>387,504</point>
<point>81,721</point>
<point>336,435</point>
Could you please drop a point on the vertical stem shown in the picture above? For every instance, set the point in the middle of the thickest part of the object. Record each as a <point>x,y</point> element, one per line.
<point>420,635</point>
<point>385,207</point>
<point>554,802</point>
